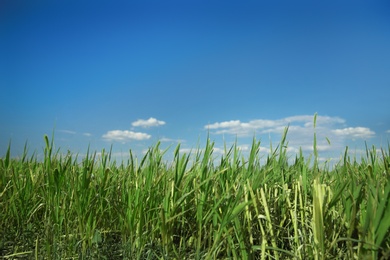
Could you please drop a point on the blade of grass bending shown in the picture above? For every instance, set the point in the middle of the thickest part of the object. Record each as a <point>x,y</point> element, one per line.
<point>237,210</point>
<point>283,251</point>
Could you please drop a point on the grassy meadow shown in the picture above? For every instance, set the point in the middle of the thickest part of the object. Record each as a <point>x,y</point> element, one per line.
<point>194,207</point>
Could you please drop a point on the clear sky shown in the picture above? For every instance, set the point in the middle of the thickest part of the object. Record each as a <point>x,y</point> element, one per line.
<point>129,73</point>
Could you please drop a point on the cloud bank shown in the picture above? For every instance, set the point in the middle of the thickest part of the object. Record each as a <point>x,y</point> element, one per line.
<point>262,126</point>
<point>300,131</point>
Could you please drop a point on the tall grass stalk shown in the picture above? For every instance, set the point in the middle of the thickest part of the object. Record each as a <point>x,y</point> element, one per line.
<point>197,206</point>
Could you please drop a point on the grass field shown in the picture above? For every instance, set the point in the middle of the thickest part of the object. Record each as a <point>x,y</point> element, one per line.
<point>195,207</point>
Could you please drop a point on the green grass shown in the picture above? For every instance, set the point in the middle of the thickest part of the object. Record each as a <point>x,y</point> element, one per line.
<point>194,207</point>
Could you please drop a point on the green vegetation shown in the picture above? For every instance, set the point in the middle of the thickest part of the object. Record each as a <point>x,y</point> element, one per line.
<point>193,207</point>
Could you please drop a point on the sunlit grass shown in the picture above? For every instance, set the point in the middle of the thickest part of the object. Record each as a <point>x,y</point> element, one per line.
<point>194,207</point>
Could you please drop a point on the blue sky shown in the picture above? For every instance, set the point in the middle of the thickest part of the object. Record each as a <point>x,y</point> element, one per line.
<point>129,73</point>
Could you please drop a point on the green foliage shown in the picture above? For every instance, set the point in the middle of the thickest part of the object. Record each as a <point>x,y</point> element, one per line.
<point>193,208</point>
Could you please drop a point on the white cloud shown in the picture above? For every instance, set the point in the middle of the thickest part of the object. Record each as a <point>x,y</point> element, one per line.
<point>147,123</point>
<point>120,135</point>
<point>388,131</point>
<point>87,134</point>
<point>354,132</point>
<point>125,135</point>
